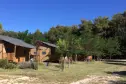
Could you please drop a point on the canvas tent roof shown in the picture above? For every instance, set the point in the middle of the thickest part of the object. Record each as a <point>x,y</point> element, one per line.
<point>15,41</point>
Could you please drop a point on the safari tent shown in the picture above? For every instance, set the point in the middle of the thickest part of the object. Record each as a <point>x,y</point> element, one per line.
<point>14,49</point>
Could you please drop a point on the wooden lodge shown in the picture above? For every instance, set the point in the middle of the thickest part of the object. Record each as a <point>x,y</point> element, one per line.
<point>44,51</point>
<point>14,49</point>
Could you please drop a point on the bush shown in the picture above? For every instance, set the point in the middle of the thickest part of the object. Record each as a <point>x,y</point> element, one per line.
<point>35,65</point>
<point>3,63</point>
<point>10,66</point>
<point>24,65</point>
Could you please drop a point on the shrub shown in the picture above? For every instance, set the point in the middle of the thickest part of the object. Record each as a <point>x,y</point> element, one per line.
<point>35,65</point>
<point>10,66</point>
<point>24,65</point>
<point>3,63</point>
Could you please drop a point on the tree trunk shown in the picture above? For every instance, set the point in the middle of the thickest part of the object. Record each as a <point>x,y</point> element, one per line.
<point>62,63</point>
<point>110,57</point>
<point>98,58</point>
<point>76,58</point>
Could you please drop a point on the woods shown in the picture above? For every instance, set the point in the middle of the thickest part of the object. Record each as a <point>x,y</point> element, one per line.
<point>102,37</point>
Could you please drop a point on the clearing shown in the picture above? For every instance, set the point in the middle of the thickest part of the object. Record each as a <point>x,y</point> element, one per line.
<point>79,73</point>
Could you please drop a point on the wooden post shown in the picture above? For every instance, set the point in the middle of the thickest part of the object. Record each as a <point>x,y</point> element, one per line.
<point>2,51</point>
<point>37,58</point>
<point>14,51</point>
<point>76,58</point>
<point>29,55</point>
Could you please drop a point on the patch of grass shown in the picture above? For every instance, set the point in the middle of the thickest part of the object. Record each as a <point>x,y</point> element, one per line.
<point>53,74</point>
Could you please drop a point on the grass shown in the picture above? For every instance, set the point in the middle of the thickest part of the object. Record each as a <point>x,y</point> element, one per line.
<point>80,70</point>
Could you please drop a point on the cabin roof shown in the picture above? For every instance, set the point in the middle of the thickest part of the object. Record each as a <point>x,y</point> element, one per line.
<point>46,43</point>
<point>16,41</point>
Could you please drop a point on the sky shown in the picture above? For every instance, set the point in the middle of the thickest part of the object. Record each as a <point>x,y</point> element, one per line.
<point>21,15</point>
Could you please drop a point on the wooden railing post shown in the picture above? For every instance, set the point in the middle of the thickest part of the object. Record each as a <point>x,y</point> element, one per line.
<point>29,55</point>
<point>14,51</point>
<point>2,51</point>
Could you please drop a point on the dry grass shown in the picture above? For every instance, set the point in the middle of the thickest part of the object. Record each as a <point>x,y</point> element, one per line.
<point>53,75</point>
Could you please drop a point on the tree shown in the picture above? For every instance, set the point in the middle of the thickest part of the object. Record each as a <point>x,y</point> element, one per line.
<point>10,33</point>
<point>101,25</point>
<point>37,35</point>
<point>1,28</point>
<point>112,47</point>
<point>24,36</point>
<point>98,44</point>
<point>119,29</point>
<point>57,32</point>
<point>62,49</point>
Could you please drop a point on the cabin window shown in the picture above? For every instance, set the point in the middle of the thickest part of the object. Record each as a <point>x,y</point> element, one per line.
<point>35,53</point>
<point>8,49</point>
<point>43,53</point>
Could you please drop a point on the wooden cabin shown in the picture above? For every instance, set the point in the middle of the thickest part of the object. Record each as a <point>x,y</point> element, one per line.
<point>44,51</point>
<point>14,49</point>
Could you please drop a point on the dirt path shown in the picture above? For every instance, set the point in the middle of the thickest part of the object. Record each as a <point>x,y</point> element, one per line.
<point>97,80</point>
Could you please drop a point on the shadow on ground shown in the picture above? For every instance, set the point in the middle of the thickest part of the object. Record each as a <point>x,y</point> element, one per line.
<point>117,82</point>
<point>57,66</point>
<point>120,73</point>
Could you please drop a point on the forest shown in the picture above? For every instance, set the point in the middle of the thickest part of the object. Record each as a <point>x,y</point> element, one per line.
<point>103,37</point>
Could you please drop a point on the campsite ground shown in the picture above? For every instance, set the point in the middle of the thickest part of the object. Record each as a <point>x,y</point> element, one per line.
<point>87,73</point>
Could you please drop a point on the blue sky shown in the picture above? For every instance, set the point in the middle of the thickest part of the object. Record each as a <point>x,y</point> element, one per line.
<point>19,15</point>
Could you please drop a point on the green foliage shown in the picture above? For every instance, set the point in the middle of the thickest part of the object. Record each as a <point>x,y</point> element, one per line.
<point>99,46</point>
<point>10,33</point>
<point>35,65</point>
<point>24,65</point>
<point>10,66</point>
<point>3,63</point>
<point>112,47</point>
<point>62,46</point>
<point>1,27</point>
<point>57,32</point>
<point>100,37</point>
<point>101,22</point>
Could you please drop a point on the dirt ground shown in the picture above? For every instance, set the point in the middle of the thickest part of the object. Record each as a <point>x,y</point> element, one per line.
<point>93,79</point>
<point>79,73</point>
<point>97,80</point>
<point>13,79</point>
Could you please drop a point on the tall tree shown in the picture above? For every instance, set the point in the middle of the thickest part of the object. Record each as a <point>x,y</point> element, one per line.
<point>1,28</point>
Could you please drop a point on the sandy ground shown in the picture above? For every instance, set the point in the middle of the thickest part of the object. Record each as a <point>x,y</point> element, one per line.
<point>93,79</point>
<point>97,80</point>
<point>12,79</point>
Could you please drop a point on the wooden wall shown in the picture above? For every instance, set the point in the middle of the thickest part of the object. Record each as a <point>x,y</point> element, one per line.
<point>41,53</point>
<point>7,50</point>
<point>22,53</point>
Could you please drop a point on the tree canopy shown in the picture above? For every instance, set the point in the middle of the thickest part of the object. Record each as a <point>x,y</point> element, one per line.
<point>100,37</point>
